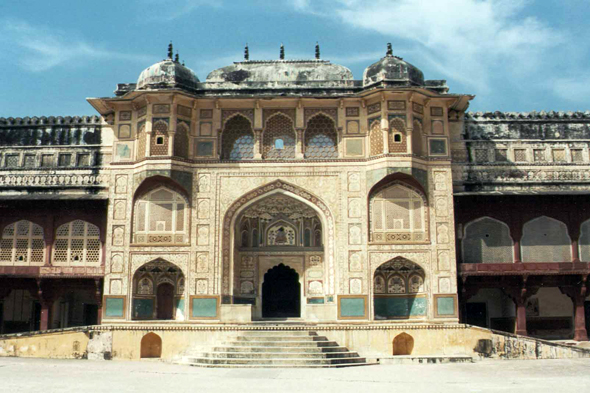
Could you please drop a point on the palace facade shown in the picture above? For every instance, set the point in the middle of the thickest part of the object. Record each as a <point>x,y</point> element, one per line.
<point>286,190</point>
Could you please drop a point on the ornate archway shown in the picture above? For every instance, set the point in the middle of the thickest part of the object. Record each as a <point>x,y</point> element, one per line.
<point>157,287</point>
<point>289,190</point>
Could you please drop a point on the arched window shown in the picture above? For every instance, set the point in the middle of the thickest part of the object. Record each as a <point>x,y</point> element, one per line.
<point>545,239</point>
<point>397,136</point>
<point>22,244</point>
<point>321,138</point>
<point>379,283</point>
<point>416,284</point>
<point>487,241</point>
<point>77,243</point>
<point>307,238</point>
<point>159,138</point>
<point>397,215</point>
<point>417,138</point>
<point>254,238</point>
<point>278,139</point>
<point>181,140</point>
<point>376,138</point>
<point>141,141</point>
<point>237,139</point>
<point>396,284</point>
<point>161,216</point>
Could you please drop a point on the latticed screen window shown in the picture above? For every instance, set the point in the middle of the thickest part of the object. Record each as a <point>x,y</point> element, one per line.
<point>520,155</point>
<point>161,217</point>
<point>577,155</point>
<point>22,244</point>
<point>545,239</point>
<point>29,160</point>
<point>77,243</point>
<point>278,140</point>
<point>376,139</point>
<point>539,155</point>
<point>481,155</point>
<point>321,139</point>
<point>501,155</point>
<point>397,215</point>
<point>558,155</point>
<point>237,140</point>
<point>11,160</point>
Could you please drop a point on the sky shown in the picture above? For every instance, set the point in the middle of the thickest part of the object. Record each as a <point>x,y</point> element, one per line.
<point>514,55</point>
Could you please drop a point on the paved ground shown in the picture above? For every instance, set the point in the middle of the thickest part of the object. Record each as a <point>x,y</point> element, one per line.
<point>64,376</point>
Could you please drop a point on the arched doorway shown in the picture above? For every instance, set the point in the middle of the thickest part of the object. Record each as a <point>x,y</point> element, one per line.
<point>158,290</point>
<point>399,290</point>
<point>281,293</point>
<point>151,346</point>
<point>165,301</point>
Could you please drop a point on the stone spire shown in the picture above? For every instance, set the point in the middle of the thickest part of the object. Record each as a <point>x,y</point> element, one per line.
<point>170,51</point>
<point>246,53</point>
<point>282,52</point>
<point>317,50</point>
<point>389,50</point>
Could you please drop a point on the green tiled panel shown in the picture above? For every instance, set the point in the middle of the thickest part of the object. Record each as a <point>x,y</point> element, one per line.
<point>445,306</point>
<point>352,307</point>
<point>114,307</point>
<point>204,307</point>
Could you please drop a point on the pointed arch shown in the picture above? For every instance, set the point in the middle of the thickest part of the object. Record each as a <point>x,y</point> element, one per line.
<point>77,243</point>
<point>320,137</point>
<point>181,139</point>
<point>22,244</point>
<point>278,137</point>
<point>233,212</point>
<point>417,148</point>
<point>487,240</point>
<point>237,139</point>
<point>545,239</point>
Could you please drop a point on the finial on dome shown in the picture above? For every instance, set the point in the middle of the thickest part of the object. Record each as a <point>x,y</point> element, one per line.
<point>246,53</point>
<point>282,52</point>
<point>176,58</point>
<point>317,50</point>
<point>170,50</point>
<point>389,50</point>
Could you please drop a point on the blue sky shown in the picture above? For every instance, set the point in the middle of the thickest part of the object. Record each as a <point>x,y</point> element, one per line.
<point>514,55</point>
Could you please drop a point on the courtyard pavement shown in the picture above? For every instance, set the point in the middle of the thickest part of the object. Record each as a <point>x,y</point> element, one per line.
<point>64,376</point>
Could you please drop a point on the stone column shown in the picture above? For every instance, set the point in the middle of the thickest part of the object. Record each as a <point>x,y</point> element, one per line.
<point>578,296</point>
<point>48,234</point>
<point>520,296</point>
<point>258,144</point>
<point>46,305</point>
<point>98,298</point>
<point>171,136</point>
<point>299,152</point>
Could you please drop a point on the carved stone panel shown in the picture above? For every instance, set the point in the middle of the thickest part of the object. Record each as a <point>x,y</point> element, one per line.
<point>118,235</point>
<point>117,263</point>
<point>204,182</point>
<point>355,262</point>
<point>120,209</point>
<point>442,208</point>
<point>444,285</point>
<point>354,181</point>
<point>116,287</point>
<point>444,263</point>
<point>201,286</point>
<point>203,208</point>
<point>354,234</point>
<point>354,207</point>
<point>203,235</point>
<point>121,184</point>
<point>442,233</point>
<point>356,286</point>
<point>202,262</point>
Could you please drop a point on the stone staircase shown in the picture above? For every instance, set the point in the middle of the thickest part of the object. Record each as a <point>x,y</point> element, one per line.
<point>275,348</point>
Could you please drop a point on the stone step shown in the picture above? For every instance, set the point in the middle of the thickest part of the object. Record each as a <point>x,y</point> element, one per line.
<point>275,361</point>
<point>281,338</point>
<point>281,343</point>
<point>251,349</point>
<point>276,333</point>
<point>255,365</point>
<point>274,355</point>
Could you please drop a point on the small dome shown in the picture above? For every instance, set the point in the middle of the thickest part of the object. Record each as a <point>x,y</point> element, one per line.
<point>296,71</point>
<point>167,74</point>
<point>393,69</point>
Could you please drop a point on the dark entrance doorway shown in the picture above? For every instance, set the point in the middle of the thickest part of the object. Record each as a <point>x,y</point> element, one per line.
<point>165,301</point>
<point>476,314</point>
<point>281,293</point>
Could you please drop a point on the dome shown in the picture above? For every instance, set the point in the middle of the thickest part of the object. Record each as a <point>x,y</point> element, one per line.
<point>167,74</point>
<point>393,69</point>
<point>285,71</point>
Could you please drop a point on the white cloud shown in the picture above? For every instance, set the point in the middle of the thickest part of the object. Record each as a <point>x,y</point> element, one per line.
<point>571,89</point>
<point>467,40</point>
<point>38,49</point>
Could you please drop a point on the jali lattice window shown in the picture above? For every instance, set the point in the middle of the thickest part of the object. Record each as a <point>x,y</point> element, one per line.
<point>159,138</point>
<point>397,215</point>
<point>141,141</point>
<point>278,140</point>
<point>22,244</point>
<point>376,139</point>
<point>77,243</point>
<point>181,140</point>
<point>161,216</point>
<point>321,139</point>
<point>487,241</point>
<point>397,136</point>
<point>237,139</point>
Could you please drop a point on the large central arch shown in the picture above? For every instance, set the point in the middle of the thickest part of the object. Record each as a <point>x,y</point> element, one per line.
<point>252,197</point>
